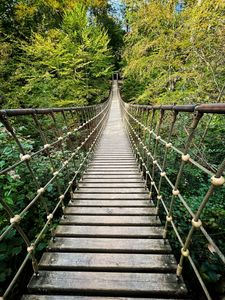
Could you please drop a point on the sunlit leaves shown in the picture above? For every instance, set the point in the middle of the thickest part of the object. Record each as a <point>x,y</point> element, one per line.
<point>175,57</point>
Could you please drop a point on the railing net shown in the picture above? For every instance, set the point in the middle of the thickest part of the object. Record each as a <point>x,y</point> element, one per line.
<point>185,179</point>
<point>43,154</point>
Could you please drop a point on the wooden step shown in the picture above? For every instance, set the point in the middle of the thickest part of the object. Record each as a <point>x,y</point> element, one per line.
<point>106,196</point>
<point>97,283</point>
<point>108,231</point>
<point>111,190</point>
<point>113,211</point>
<point>114,162</point>
<point>110,167</point>
<point>121,185</point>
<point>110,203</point>
<point>108,262</point>
<point>112,176</point>
<point>111,220</point>
<point>109,245</point>
<point>61,297</point>
<point>111,172</point>
<point>112,180</point>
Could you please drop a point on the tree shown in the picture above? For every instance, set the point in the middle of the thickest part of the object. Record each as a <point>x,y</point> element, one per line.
<point>69,65</point>
<point>174,56</point>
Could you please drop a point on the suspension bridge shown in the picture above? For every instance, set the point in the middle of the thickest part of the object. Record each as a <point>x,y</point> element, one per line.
<point>110,242</point>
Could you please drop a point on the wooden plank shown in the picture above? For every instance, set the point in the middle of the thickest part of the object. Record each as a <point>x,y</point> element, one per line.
<point>114,203</point>
<point>111,185</point>
<point>114,159</point>
<point>111,190</point>
<point>112,176</point>
<point>108,231</point>
<point>113,283</point>
<point>111,220</point>
<point>150,211</point>
<point>111,172</point>
<point>61,297</point>
<point>109,153</point>
<point>113,168</point>
<point>110,245</point>
<point>113,162</point>
<point>113,180</point>
<point>108,262</point>
<point>108,196</point>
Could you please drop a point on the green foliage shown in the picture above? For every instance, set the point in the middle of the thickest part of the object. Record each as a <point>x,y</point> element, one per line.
<point>64,66</point>
<point>174,57</point>
<point>18,187</point>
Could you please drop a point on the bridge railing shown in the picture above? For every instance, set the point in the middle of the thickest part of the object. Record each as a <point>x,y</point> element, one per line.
<point>43,154</point>
<point>185,175</point>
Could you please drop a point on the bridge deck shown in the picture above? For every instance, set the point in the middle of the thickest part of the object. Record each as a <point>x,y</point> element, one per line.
<point>110,244</point>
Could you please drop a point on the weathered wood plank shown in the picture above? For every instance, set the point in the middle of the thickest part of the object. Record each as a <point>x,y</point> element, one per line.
<point>112,176</point>
<point>110,196</point>
<point>113,168</point>
<point>108,231</point>
<point>113,180</point>
<point>112,172</point>
<point>98,190</point>
<point>61,297</point>
<point>111,220</point>
<point>112,283</point>
<point>115,163</point>
<point>110,245</point>
<point>109,262</point>
<point>114,203</point>
<point>110,211</point>
<point>121,185</point>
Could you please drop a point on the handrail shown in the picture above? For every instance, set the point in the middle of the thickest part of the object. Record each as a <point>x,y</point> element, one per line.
<point>215,108</point>
<point>154,143</point>
<point>67,138</point>
<point>44,111</point>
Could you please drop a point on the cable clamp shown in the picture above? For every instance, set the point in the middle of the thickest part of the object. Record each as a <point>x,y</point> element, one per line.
<point>154,162</point>
<point>65,163</point>
<point>196,224</point>
<point>163,174</point>
<point>185,157</point>
<point>61,197</point>
<point>158,137</point>
<point>50,217</point>
<point>169,218</point>
<point>175,192</point>
<point>25,157</point>
<point>30,248</point>
<point>15,219</point>
<point>60,138</point>
<point>69,133</point>
<point>46,146</point>
<point>168,145</point>
<point>159,197</point>
<point>217,181</point>
<point>185,253</point>
<point>56,173</point>
<point>152,182</point>
<point>70,182</point>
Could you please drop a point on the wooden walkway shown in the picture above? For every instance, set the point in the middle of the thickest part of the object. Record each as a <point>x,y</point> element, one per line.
<point>110,244</point>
